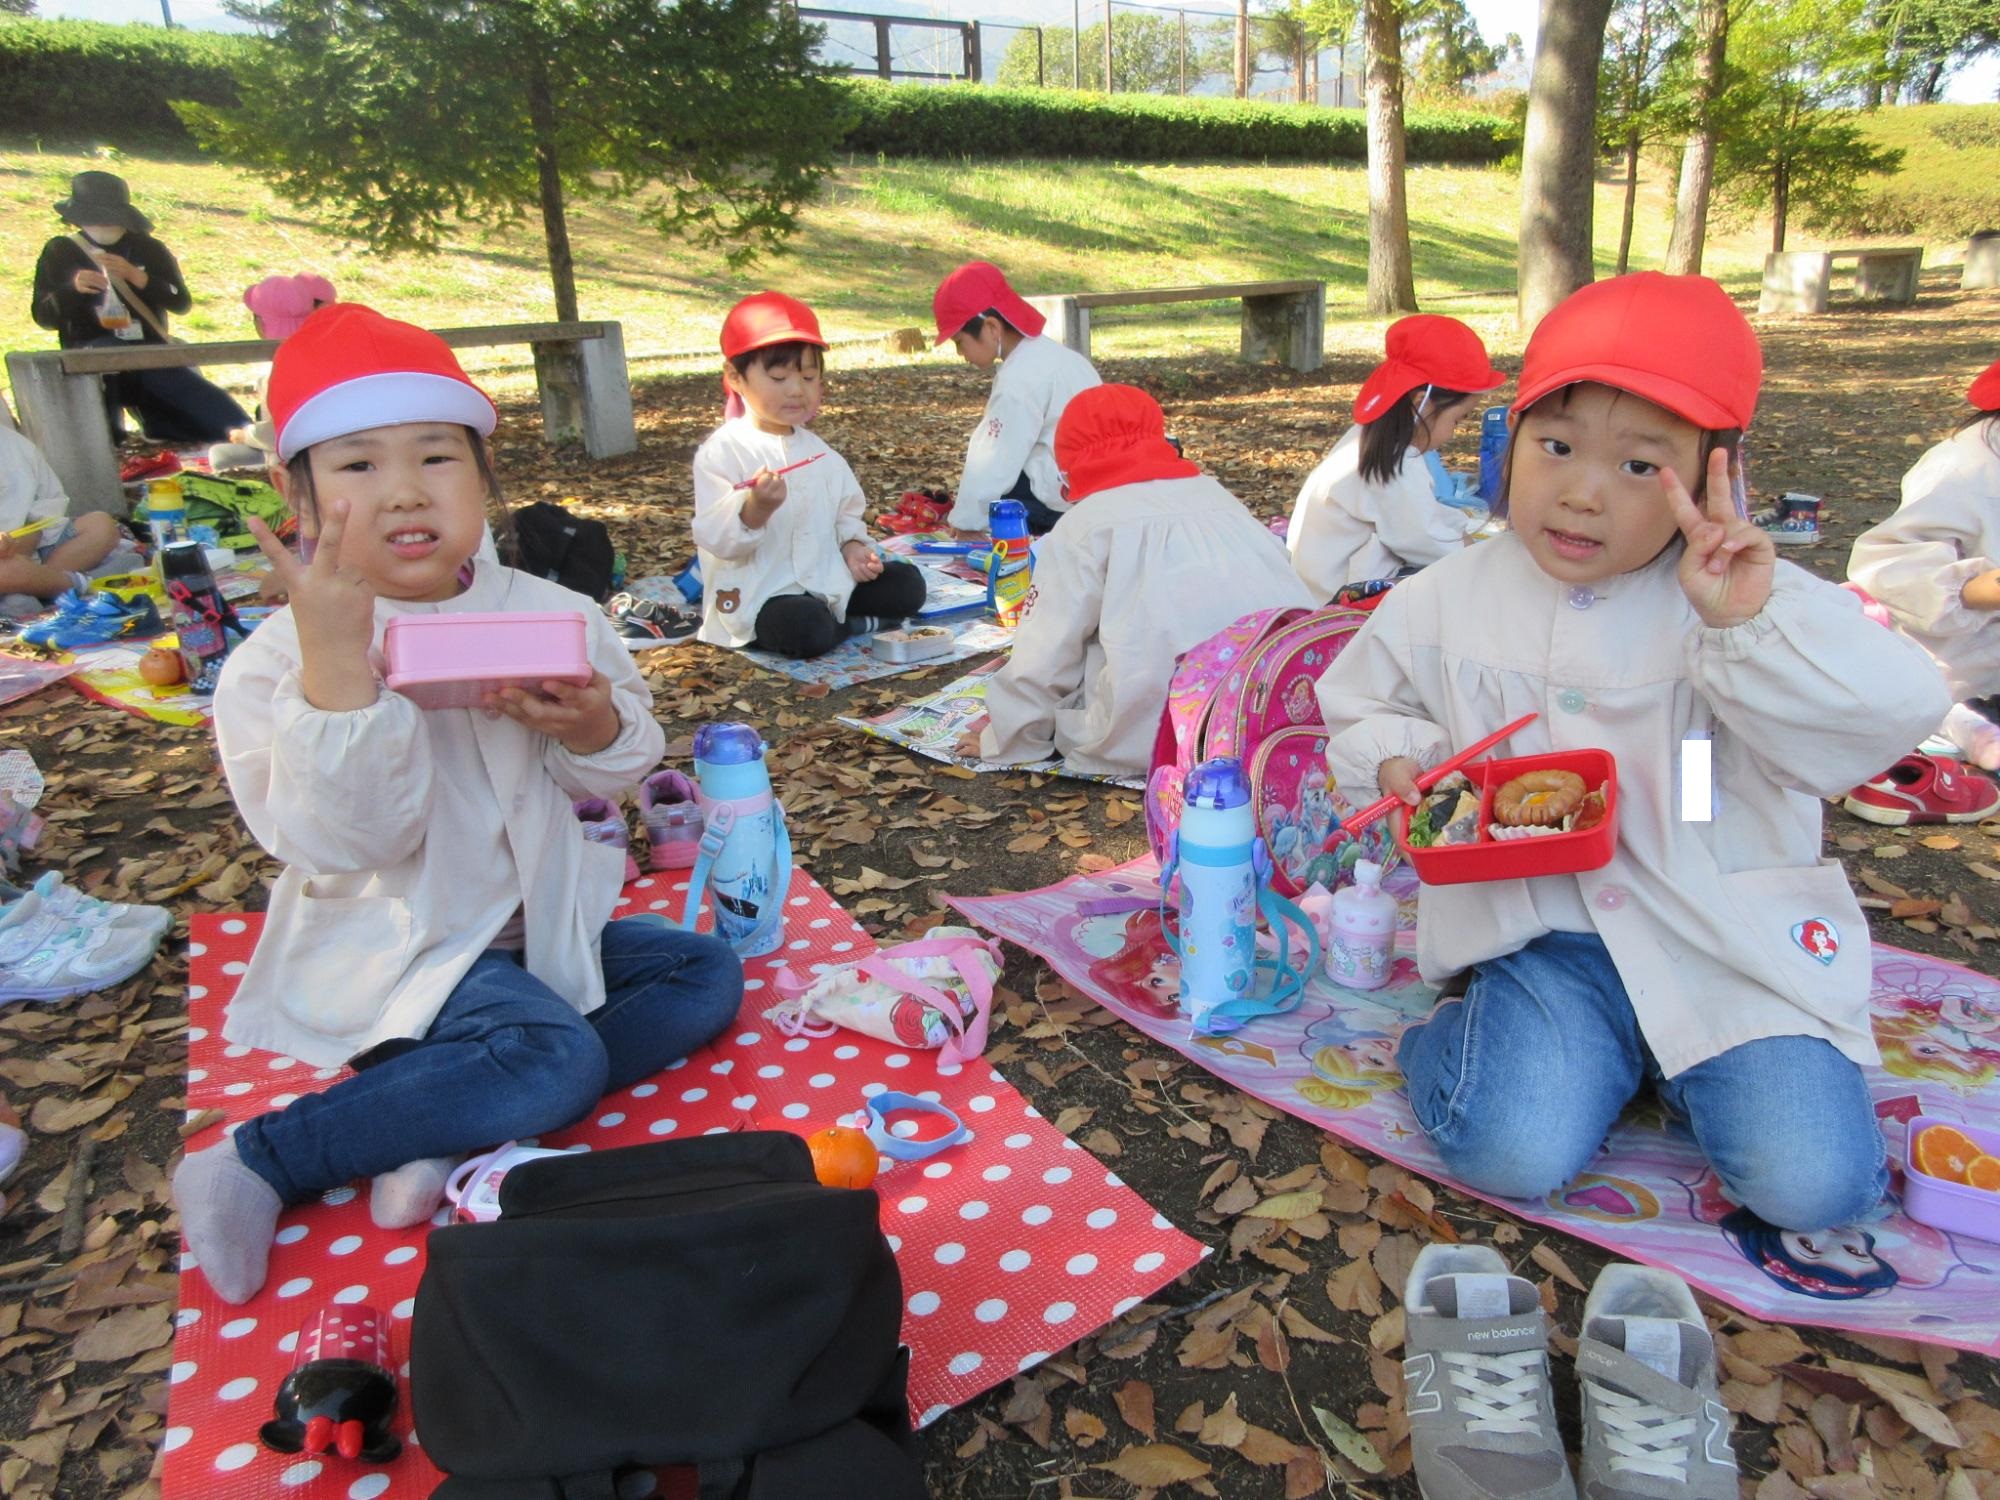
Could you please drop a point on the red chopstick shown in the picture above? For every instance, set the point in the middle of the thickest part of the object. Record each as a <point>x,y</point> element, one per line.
<point>786,470</point>
<point>1431,777</point>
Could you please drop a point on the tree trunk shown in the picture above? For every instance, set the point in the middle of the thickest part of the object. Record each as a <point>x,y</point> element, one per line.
<point>1698,158</point>
<point>555,222</point>
<point>1312,58</point>
<point>1558,156</point>
<point>1631,201</point>
<point>1242,48</point>
<point>1392,286</point>
<point>1107,47</point>
<point>1299,69</point>
<point>1340,76</point>
<point>1781,196</point>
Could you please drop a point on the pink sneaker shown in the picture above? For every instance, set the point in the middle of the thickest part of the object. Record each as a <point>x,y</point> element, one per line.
<point>1925,789</point>
<point>672,816</point>
<point>604,823</point>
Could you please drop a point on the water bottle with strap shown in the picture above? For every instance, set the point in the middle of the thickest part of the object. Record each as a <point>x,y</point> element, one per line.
<point>745,863</point>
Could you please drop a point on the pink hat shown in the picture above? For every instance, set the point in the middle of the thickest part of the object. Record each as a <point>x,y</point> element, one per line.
<point>1111,435</point>
<point>348,369</point>
<point>281,303</point>
<point>971,290</point>
<point>1984,392</point>
<point>1426,349</point>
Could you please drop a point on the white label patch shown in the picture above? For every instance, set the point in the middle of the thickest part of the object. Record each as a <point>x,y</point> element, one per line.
<point>1482,1295</point>
<point>1656,1344</point>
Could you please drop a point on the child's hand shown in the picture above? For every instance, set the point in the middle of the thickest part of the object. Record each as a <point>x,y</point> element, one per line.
<point>1729,563</point>
<point>9,547</point>
<point>1397,777</point>
<point>767,493</point>
<point>863,561</point>
<point>1981,591</point>
<point>582,719</point>
<point>334,608</point>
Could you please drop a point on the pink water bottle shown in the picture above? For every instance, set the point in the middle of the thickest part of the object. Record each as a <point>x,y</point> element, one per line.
<point>1364,931</point>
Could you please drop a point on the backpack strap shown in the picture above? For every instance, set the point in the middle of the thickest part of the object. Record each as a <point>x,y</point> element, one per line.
<point>714,834</point>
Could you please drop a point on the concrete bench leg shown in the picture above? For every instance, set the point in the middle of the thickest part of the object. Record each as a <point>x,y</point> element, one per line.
<point>1982,263</point>
<point>1887,278</point>
<point>1795,281</point>
<point>587,394</point>
<point>1069,325</point>
<point>63,415</point>
<point>1289,329</point>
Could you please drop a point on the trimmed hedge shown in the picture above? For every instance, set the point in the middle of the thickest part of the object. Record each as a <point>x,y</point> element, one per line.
<point>93,82</point>
<point>973,121</point>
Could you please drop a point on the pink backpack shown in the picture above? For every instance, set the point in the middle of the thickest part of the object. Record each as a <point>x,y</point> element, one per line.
<point>1247,691</point>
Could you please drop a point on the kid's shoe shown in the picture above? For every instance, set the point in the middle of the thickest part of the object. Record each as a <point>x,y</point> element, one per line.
<point>1924,789</point>
<point>1654,1427</point>
<point>149,466</point>
<point>1476,1381</point>
<point>67,901</point>
<point>1972,736</point>
<point>672,814</point>
<point>47,955</point>
<point>918,511</point>
<point>1794,531</point>
<point>645,623</point>
<point>92,620</point>
<point>604,823</point>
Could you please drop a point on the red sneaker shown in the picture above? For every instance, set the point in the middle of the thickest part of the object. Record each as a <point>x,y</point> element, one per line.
<point>918,511</point>
<point>1925,789</point>
<point>149,466</point>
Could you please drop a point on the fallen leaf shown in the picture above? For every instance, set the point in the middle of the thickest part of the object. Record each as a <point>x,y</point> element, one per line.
<point>1546,1256</point>
<point>1939,841</point>
<point>1152,1465</point>
<point>1286,1206</point>
<point>1083,1428</point>
<point>123,1334</point>
<point>1134,1400</point>
<point>1351,1445</point>
<point>1224,1428</point>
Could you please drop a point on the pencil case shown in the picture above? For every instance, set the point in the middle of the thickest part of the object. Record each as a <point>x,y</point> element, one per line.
<point>453,661</point>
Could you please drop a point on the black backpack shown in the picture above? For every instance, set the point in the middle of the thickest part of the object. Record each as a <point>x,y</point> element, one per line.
<point>573,551</point>
<point>702,1301</point>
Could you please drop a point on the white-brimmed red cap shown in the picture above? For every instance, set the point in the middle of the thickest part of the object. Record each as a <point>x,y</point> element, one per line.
<point>348,369</point>
<point>1426,349</point>
<point>974,288</point>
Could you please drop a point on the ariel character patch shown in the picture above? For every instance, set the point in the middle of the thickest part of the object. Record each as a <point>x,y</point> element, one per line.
<point>1819,937</point>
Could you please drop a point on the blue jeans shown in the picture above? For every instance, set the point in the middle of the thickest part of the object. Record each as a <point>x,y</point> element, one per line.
<point>1041,518</point>
<point>1518,1083</point>
<point>507,1057</point>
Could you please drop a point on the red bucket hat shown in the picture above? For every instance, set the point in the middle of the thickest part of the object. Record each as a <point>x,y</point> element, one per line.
<point>1111,435</point>
<point>766,318</point>
<point>1678,341</point>
<point>348,369</point>
<point>1984,392</point>
<point>282,303</point>
<point>1426,350</point>
<point>970,291</point>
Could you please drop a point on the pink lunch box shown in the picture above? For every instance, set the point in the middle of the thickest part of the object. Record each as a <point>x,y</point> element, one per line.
<point>1953,1207</point>
<point>452,661</point>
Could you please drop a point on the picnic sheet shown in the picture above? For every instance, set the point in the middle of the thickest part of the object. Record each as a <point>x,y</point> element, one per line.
<point>852,661</point>
<point>1012,1246</point>
<point>1649,1195</point>
<point>934,723</point>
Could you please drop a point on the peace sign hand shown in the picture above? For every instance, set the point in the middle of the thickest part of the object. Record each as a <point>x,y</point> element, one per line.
<point>1727,570</point>
<point>334,609</point>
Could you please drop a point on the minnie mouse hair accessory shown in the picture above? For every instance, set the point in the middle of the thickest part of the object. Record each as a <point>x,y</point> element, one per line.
<point>348,369</point>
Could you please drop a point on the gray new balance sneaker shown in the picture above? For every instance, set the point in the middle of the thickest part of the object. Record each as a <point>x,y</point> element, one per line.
<point>1476,1381</point>
<point>1653,1428</point>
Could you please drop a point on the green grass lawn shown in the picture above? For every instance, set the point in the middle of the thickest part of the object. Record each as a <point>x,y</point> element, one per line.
<point>1951,169</point>
<point>870,251</point>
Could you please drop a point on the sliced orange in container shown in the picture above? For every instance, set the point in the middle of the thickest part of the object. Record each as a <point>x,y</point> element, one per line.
<point>1946,1153</point>
<point>1983,1172</point>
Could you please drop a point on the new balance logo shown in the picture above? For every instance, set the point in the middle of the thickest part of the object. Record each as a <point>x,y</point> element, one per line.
<point>1715,1435</point>
<point>1420,1396</point>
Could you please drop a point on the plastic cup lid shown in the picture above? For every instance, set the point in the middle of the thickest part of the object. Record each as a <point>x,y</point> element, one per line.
<point>727,744</point>
<point>1217,783</point>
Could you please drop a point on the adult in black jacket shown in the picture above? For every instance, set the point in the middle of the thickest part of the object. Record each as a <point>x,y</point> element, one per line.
<point>113,249</point>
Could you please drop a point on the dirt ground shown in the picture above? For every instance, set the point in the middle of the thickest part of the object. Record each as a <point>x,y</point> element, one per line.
<point>1211,1387</point>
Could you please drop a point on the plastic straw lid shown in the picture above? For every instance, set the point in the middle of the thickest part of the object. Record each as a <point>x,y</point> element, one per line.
<point>727,744</point>
<point>1433,776</point>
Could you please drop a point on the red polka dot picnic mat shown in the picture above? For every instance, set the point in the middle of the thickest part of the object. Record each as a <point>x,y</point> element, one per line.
<point>1012,1246</point>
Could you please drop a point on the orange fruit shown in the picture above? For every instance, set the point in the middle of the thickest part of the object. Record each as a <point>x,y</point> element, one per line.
<point>161,667</point>
<point>1983,1172</point>
<point>843,1157</point>
<point>1945,1152</point>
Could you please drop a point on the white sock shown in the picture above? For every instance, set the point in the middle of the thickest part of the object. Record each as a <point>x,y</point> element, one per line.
<point>228,1215</point>
<point>1977,737</point>
<point>406,1197</point>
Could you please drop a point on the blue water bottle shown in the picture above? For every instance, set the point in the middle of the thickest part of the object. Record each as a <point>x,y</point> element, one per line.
<point>1220,858</point>
<point>1008,570</point>
<point>745,863</point>
<point>1492,451</point>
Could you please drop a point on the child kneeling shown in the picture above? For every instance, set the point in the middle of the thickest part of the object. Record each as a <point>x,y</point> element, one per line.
<point>786,562</point>
<point>1722,961</point>
<point>441,925</point>
<point>1152,558</point>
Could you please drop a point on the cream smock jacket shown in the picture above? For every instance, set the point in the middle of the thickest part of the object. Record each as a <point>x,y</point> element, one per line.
<point>1126,582</point>
<point>398,876</point>
<point>1346,529</point>
<point>1016,434</point>
<point>1946,532</point>
<point>1706,921</point>
<point>29,489</point>
<point>795,551</point>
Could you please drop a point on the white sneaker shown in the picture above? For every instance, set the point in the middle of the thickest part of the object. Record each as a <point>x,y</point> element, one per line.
<point>46,954</point>
<point>66,900</point>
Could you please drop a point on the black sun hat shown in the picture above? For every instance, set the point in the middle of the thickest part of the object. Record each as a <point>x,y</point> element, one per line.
<point>102,198</point>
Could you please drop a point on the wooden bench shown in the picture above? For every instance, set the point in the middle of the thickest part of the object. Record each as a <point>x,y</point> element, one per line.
<point>1800,281</point>
<point>1282,320</point>
<point>58,394</point>
<point>1982,262</point>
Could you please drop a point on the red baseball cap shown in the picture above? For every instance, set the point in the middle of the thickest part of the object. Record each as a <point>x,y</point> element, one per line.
<point>1984,392</point>
<point>1426,350</point>
<point>348,369</point>
<point>971,290</point>
<point>766,318</point>
<point>1677,341</point>
<point>1111,435</point>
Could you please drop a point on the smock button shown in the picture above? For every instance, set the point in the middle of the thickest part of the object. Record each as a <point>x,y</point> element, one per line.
<point>1582,597</point>
<point>1573,702</point>
<point>1611,897</point>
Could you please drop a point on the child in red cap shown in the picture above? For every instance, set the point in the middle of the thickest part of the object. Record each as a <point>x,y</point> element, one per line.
<point>1011,455</point>
<point>1152,558</point>
<point>441,924</point>
<point>1634,610</point>
<point>786,562</point>
<point>1936,564</point>
<point>1369,510</point>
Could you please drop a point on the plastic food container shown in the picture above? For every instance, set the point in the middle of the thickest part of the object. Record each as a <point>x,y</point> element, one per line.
<point>1518,859</point>
<point>920,644</point>
<point>1953,1207</point>
<point>452,661</point>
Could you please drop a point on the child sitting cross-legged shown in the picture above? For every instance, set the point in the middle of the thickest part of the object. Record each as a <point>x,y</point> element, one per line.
<point>1717,957</point>
<point>786,562</point>
<point>65,553</point>
<point>441,925</point>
